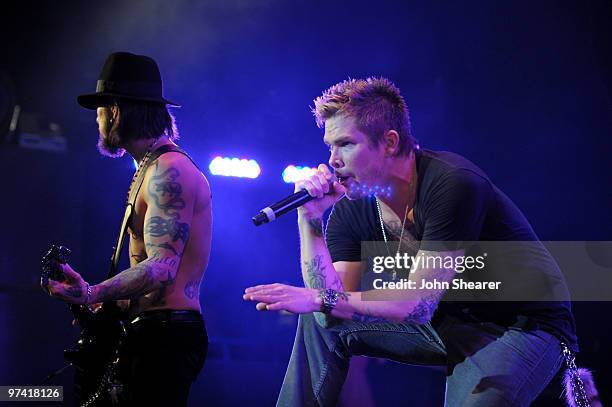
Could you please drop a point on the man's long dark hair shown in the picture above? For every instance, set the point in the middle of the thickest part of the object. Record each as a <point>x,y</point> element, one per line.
<point>143,120</point>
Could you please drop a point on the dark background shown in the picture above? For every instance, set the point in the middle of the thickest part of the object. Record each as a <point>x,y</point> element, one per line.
<point>522,88</point>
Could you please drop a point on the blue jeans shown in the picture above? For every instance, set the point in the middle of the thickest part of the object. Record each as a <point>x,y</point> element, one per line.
<point>487,365</point>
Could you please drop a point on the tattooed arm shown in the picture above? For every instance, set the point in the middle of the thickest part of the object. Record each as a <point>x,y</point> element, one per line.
<point>318,271</point>
<point>410,305</point>
<point>169,196</point>
<point>414,306</point>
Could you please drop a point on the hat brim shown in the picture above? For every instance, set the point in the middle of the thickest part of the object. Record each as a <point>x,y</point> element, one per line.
<point>95,100</point>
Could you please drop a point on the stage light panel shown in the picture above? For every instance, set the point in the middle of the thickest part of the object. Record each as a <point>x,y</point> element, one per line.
<point>234,167</point>
<point>293,173</point>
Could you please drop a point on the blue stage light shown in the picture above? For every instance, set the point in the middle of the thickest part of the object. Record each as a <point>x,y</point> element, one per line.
<point>234,167</point>
<point>293,173</point>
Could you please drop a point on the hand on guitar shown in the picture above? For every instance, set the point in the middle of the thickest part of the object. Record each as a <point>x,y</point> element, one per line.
<point>73,289</point>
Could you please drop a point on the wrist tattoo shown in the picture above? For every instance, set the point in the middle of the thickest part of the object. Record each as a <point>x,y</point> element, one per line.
<point>343,296</point>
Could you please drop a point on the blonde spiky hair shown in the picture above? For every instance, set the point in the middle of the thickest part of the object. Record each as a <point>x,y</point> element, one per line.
<point>375,103</point>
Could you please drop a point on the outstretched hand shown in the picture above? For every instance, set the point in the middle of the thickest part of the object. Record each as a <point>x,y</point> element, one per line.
<point>277,297</point>
<point>73,289</point>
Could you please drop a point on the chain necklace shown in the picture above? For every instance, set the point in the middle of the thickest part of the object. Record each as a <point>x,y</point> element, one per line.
<point>142,164</point>
<point>382,227</point>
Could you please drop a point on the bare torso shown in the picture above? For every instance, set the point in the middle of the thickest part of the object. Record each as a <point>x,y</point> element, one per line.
<point>184,292</point>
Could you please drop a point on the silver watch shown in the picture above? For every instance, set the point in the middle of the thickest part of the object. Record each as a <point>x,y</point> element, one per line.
<point>329,299</point>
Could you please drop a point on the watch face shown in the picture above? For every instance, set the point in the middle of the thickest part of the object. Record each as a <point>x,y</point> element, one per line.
<point>329,299</point>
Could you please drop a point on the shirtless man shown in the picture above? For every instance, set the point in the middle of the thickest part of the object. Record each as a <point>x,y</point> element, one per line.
<point>170,234</point>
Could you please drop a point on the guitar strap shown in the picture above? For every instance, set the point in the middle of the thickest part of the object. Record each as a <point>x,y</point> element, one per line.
<point>129,208</point>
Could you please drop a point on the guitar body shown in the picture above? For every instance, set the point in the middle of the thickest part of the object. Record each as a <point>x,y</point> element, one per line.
<point>96,354</point>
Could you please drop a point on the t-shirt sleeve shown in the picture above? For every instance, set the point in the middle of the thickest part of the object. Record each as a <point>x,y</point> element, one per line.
<point>455,210</point>
<point>342,241</point>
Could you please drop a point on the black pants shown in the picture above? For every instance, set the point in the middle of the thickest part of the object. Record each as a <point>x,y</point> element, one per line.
<point>164,353</point>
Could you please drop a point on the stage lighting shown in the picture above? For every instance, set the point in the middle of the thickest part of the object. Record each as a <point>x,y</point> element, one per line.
<point>234,167</point>
<point>293,173</point>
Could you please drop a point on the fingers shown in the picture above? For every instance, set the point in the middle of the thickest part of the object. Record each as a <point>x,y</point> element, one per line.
<point>324,170</point>
<point>277,306</point>
<point>53,288</point>
<point>338,188</point>
<point>263,287</point>
<point>313,186</point>
<point>334,186</point>
<point>317,184</point>
<point>267,296</point>
<point>69,272</point>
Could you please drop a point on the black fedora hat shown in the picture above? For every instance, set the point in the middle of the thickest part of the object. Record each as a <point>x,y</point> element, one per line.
<point>128,76</point>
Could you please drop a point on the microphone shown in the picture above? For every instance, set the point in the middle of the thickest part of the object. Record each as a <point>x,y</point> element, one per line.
<point>294,201</point>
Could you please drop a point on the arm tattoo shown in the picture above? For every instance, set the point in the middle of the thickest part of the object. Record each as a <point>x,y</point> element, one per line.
<point>157,258</point>
<point>133,282</point>
<point>317,226</point>
<point>138,257</point>
<point>166,191</point>
<point>343,296</point>
<point>158,227</point>
<point>192,289</point>
<point>166,246</point>
<point>336,284</point>
<point>424,310</point>
<point>314,271</point>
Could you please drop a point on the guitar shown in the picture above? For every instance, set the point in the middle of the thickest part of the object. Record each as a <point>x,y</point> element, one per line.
<point>96,354</point>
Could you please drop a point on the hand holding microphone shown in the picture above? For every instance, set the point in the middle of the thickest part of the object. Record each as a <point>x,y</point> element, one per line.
<point>324,188</point>
<point>314,195</point>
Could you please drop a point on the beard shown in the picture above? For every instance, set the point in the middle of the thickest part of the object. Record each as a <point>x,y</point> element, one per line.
<point>110,146</point>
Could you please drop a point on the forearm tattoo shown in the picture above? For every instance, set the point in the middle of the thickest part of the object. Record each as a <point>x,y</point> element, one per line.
<point>425,308</point>
<point>132,282</point>
<point>157,272</point>
<point>315,272</point>
<point>316,277</point>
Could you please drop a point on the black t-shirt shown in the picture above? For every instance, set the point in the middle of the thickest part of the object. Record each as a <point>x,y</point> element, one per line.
<point>457,202</point>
